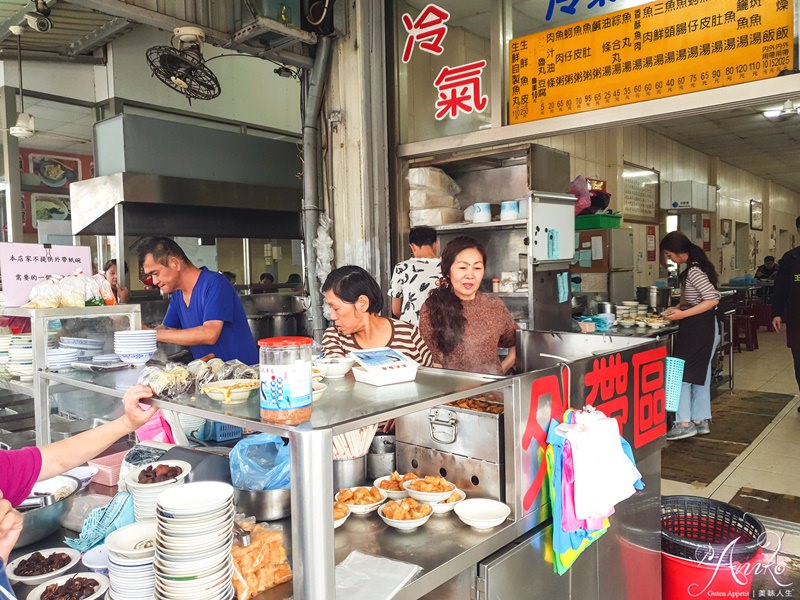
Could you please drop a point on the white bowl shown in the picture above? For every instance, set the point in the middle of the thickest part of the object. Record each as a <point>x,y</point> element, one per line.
<point>74,557</point>
<point>339,522</point>
<point>231,391</point>
<point>336,367</point>
<point>482,513</point>
<point>361,509</point>
<point>194,499</point>
<point>392,494</point>
<point>404,525</point>
<point>318,390</point>
<point>442,508</point>
<point>83,474</point>
<point>133,541</point>
<point>132,478</point>
<point>96,559</point>
<point>318,372</point>
<point>631,303</point>
<point>427,497</point>
<point>102,580</point>
<point>138,359</point>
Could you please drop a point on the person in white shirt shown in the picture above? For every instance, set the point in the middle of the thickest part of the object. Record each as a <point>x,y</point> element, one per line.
<point>415,278</point>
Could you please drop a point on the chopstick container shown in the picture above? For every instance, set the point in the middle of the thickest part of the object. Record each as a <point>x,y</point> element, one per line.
<point>350,472</point>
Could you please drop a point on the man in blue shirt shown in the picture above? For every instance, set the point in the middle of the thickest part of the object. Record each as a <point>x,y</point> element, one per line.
<point>204,310</point>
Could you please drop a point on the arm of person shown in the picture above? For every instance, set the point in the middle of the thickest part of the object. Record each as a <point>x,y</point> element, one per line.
<point>10,528</point>
<point>74,451</point>
<point>397,305</point>
<point>206,334</point>
<point>123,294</point>
<point>511,358</point>
<point>676,314</point>
<point>331,347</point>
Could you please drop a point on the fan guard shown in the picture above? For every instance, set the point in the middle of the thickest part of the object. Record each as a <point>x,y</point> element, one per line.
<point>184,70</point>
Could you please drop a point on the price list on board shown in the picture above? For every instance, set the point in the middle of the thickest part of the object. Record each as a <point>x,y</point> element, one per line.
<point>652,51</point>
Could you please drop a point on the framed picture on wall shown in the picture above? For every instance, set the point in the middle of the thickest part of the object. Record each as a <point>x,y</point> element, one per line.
<point>725,228</point>
<point>756,215</point>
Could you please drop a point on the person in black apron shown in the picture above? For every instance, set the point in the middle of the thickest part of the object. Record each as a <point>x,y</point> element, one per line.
<point>786,302</point>
<point>698,333</point>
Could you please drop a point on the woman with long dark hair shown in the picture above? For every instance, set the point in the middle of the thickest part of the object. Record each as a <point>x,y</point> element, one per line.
<point>698,333</point>
<point>463,327</point>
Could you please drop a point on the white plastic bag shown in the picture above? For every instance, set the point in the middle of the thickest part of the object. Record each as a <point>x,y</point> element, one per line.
<point>72,291</point>
<point>422,198</point>
<point>106,293</point>
<point>45,295</point>
<point>368,577</point>
<point>434,179</point>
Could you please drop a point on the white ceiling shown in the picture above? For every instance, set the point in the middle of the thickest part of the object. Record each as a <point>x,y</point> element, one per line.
<point>60,127</point>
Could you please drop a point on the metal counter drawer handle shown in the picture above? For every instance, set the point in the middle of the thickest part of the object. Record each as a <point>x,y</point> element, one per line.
<point>444,425</point>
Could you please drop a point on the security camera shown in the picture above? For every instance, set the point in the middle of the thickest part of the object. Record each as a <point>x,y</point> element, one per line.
<point>38,22</point>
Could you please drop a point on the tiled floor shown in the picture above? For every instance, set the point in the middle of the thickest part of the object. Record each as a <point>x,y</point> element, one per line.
<point>772,461</point>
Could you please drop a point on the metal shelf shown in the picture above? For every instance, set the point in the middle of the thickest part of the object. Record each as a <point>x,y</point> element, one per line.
<point>515,224</point>
<point>18,387</point>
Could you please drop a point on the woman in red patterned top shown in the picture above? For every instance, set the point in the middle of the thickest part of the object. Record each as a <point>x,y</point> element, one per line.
<point>462,326</point>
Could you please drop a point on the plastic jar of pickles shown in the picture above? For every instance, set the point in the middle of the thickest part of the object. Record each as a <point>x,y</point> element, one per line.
<point>285,369</point>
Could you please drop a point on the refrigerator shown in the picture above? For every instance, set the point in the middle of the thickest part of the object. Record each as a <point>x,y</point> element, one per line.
<point>606,255</point>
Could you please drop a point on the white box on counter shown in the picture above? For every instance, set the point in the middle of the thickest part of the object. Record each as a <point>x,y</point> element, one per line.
<point>383,366</point>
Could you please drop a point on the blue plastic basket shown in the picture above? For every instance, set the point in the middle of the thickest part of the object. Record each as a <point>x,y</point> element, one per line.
<point>221,432</point>
<point>674,379</point>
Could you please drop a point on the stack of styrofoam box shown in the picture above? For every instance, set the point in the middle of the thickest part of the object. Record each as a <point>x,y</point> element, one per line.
<point>432,197</point>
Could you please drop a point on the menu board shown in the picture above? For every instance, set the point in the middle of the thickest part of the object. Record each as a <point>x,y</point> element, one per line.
<point>655,50</point>
<point>639,201</point>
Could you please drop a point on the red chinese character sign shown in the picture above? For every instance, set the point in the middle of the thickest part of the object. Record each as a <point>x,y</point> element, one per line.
<point>458,87</point>
<point>429,29</point>
<point>459,90</point>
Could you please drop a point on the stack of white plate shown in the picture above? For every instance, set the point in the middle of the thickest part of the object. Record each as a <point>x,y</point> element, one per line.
<point>5,342</point>
<point>135,347</point>
<point>131,550</point>
<point>86,347</point>
<point>193,542</point>
<point>145,494</point>
<point>61,358</point>
<point>642,309</point>
<point>20,357</point>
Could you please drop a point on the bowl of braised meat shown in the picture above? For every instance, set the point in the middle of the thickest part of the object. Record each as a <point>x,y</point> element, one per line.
<point>77,586</point>
<point>37,567</point>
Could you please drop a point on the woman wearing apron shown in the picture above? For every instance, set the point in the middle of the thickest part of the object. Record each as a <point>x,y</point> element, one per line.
<point>697,336</point>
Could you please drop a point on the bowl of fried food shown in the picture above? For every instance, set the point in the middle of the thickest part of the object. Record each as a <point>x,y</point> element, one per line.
<point>429,489</point>
<point>405,515</point>
<point>391,486</point>
<point>360,500</point>
<point>449,503</point>
<point>340,514</point>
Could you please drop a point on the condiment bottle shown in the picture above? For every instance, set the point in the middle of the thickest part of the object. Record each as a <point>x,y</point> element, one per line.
<point>495,284</point>
<point>285,367</point>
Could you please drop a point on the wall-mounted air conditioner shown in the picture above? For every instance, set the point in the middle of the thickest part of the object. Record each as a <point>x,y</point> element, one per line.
<point>688,196</point>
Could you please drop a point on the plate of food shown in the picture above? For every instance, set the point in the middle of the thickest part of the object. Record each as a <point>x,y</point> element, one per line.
<point>360,500</point>
<point>37,567</point>
<point>232,391</point>
<point>340,514</point>
<point>406,514</point>
<point>429,489</point>
<point>86,586</point>
<point>391,486</point>
<point>626,322</point>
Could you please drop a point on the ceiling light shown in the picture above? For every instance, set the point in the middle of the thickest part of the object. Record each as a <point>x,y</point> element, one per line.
<point>788,108</point>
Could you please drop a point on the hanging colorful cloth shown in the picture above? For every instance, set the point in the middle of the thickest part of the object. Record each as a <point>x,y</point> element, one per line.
<point>567,546</point>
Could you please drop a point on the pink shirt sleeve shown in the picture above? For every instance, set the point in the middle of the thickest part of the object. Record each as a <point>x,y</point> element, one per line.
<point>19,470</point>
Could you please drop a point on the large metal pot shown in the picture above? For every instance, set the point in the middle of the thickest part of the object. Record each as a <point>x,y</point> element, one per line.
<point>264,505</point>
<point>659,297</point>
<point>39,523</point>
<point>266,325</point>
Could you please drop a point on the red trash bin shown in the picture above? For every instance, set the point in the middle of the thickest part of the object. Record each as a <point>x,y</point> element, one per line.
<point>708,548</point>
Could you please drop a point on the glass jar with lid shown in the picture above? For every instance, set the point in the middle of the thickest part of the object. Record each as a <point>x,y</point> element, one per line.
<point>285,370</point>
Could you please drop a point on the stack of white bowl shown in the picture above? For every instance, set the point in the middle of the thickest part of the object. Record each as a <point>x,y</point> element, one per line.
<point>105,359</point>
<point>20,357</point>
<point>86,347</point>
<point>193,542</point>
<point>145,494</point>
<point>61,358</point>
<point>131,550</point>
<point>642,309</point>
<point>135,347</point>
<point>624,312</point>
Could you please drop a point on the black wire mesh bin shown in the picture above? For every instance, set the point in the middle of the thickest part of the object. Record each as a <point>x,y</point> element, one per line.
<point>700,529</point>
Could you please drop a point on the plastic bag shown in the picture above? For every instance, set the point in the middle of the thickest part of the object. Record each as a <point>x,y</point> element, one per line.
<point>156,379</point>
<point>156,429</point>
<point>261,565</point>
<point>217,366</point>
<point>579,188</point>
<point>200,372</point>
<point>45,295</point>
<point>106,293</point>
<point>260,462</point>
<point>71,291</point>
<point>431,178</point>
<point>91,291</point>
<point>236,369</point>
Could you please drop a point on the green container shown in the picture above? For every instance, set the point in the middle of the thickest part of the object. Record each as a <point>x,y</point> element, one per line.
<point>599,221</point>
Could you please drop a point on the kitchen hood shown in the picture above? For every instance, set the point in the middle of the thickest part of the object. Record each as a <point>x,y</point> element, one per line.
<point>135,204</point>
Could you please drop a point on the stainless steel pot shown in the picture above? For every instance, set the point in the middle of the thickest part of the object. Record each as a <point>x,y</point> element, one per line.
<point>264,505</point>
<point>659,297</point>
<point>39,523</point>
<point>605,307</point>
<point>266,325</point>
<point>643,294</point>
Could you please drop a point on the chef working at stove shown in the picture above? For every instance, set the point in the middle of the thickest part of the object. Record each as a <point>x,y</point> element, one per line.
<point>204,311</point>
